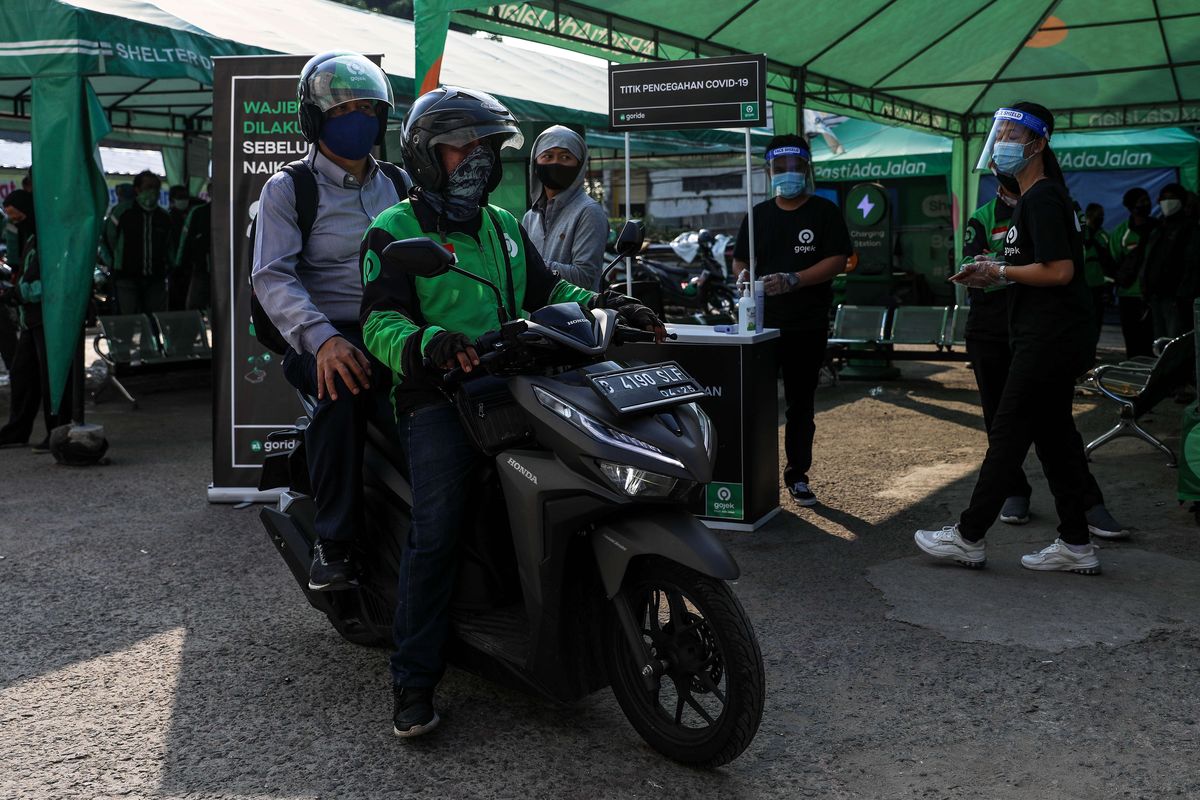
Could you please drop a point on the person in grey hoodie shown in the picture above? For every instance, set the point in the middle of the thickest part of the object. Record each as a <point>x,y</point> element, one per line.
<point>568,228</point>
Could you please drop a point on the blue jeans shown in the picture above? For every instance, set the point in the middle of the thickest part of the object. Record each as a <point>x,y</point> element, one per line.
<point>333,442</point>
<point>440,461</point>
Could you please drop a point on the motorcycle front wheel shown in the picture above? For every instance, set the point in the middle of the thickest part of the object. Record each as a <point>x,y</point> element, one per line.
<point>708,699</point>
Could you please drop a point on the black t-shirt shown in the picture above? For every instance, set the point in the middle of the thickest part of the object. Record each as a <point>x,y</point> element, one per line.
<point>791,241</point>
<point>1049,318</point>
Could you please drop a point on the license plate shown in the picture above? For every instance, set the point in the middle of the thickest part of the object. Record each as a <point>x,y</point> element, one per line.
<point>643,388</point>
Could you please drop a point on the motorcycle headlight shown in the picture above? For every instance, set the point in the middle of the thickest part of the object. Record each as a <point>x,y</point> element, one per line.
<point>599,431</point>
<point>637,482</point>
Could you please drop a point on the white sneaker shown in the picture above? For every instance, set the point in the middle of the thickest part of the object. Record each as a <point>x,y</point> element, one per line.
<point>949,543</point>
<point>1060,558</point>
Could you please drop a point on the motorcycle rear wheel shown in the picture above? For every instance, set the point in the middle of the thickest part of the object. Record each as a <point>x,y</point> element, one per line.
<point>709,699</point>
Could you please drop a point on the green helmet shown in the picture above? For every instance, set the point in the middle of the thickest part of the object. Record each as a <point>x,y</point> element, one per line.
<point>337,77</point>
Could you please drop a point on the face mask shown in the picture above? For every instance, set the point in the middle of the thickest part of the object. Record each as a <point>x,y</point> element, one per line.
<point>350,136</point>
<point>1009,157</point>
<point>556,176</point>
<point>147,199</point>
<point>788,184</point>
<point>465,187</point>
<point>180,205</point>
<point>1169,207</point>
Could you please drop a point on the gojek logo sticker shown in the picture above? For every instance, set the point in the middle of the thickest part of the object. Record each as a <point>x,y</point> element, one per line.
<point>724,500</point>
<point>371,266</point>
<point>510,245</point>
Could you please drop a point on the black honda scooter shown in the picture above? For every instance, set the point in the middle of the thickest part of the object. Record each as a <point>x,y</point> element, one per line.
<point>581,566</point>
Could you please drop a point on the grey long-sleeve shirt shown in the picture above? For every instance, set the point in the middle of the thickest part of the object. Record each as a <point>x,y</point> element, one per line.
<point>305,292</point>
<point>570,231</point>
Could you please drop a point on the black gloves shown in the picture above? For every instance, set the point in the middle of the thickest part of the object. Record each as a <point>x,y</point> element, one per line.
<point>629,311</point>
<point>444,348</point>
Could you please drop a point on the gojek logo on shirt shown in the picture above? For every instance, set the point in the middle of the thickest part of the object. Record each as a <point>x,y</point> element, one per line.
<point>807,239</point>
<point>1010,240</point>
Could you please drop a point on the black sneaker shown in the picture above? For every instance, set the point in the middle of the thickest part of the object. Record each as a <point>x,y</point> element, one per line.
<point>802,494</point>
<point>331,567</point>
<point>413,714</point>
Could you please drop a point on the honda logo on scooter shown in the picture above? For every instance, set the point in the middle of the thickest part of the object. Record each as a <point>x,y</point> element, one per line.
<point>512,462</point>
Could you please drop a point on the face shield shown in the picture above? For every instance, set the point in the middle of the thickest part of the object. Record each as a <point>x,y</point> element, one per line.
<point>1012,141</point>
<point>790,170</point>
<point>506,134</point>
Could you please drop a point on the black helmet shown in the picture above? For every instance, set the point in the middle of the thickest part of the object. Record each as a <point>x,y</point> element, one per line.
<point>454,116</point>
<point>337,77</point>
<point>705,236</point>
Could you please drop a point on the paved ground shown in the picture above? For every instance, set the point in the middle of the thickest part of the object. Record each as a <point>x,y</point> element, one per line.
<point>152,645</point>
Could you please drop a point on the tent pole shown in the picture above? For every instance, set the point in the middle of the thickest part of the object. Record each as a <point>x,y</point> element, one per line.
<point>750,214</point>
<point>628,214</point>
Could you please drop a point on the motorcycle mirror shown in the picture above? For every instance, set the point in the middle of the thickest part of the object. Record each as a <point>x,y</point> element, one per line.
<point>630,239</point>
<point>419,256</point>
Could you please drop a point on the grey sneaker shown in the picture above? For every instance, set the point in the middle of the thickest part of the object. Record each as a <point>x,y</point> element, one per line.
<point>949,543</point>
<point>1015,510</point>
<point>1060,558</point>
<point>1102,525</point>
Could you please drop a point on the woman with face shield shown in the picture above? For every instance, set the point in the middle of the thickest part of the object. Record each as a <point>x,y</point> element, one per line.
<point>1050,336</point>
<point>800,243</point>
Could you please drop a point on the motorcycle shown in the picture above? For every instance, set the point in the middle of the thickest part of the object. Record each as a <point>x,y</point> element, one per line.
<point>580,566</point>
<point>679,293</point>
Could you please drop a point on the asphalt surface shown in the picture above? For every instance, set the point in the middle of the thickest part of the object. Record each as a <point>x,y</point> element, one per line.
<point>153,645</point>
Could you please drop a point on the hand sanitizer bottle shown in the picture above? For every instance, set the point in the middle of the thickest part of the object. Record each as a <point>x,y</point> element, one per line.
<point>747,322</point>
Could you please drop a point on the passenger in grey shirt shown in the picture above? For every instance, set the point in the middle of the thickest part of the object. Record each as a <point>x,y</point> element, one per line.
<point>311,289</point>
<point>568,227</point>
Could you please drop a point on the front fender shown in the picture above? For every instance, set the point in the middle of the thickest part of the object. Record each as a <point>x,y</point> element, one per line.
<point>675,535</point>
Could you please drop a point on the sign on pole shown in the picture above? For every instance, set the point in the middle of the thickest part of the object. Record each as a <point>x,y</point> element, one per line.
<point>869,221</point>
<point>255,133</point>
<point>728,92</point>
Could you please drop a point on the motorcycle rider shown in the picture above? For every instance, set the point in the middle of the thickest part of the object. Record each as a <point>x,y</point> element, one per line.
<point>451,142</point>
<point>310,288</point>
<point>568,228</point>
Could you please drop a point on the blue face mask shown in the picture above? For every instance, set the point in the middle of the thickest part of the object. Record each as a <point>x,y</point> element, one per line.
<point>350,136</point>
<point>1009,157</point>
<point>788,184</point>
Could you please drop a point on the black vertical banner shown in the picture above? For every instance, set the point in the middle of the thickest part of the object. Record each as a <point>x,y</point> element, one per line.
<point>255,133</point>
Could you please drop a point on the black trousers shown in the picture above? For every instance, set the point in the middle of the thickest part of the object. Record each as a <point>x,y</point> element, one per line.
<point>990,361</point>
<point>801,354</point>
<point>1136,326</point>
<point>335,437</point>
<point>9,333</point>
<point>1034,408</point>
<point>30,383</point>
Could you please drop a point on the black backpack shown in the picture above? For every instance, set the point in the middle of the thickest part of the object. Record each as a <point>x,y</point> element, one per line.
<point>305,182</point>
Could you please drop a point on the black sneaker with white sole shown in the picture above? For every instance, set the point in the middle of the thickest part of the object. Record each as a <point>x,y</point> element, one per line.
<point>413,713</point>
<point>801,494</point>
<point>331,567</point>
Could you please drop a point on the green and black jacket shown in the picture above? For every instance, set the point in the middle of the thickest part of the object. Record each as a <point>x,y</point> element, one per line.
<point>136,242</point>
<point>402,313</point>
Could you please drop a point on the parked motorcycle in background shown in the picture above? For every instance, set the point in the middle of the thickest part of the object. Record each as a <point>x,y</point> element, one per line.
<point>686,281</point>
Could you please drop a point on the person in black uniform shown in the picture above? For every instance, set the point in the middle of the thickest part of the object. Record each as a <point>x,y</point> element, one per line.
<point>987,347</point>
<point>1050,333</point>
<point>801,243</point>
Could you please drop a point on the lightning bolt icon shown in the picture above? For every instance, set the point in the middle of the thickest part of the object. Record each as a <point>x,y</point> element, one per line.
<point>866,206</point>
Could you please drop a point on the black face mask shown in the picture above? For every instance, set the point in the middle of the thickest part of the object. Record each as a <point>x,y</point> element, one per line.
<point>556,176</point>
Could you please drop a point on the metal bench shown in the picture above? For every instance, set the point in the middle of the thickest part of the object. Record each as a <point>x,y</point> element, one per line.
<point>859,325</point>
<point>918,325</point>
<point>1136,387</point>
<point>131,343</point>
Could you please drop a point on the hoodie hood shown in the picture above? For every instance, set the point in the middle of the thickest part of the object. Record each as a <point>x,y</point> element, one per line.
<point>557,136</point>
